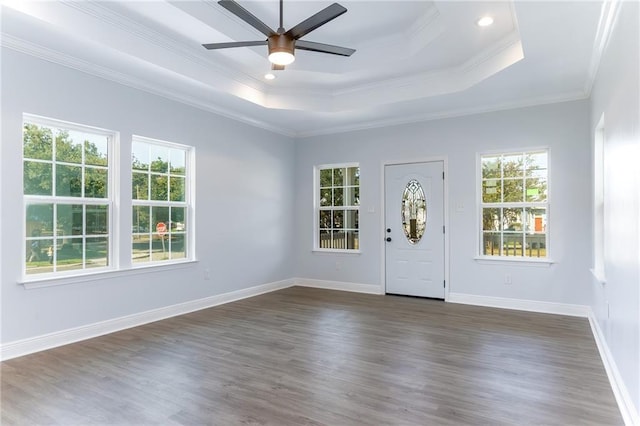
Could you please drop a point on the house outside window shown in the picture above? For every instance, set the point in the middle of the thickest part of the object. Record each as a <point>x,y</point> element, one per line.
<point>162,230</point>
<point>514,205</point>
<point>68,198</point>
<point>337,207</point>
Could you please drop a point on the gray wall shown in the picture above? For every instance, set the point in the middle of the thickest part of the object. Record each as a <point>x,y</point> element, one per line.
<point>563,128</point>
<point>244,199</point>
<point>616,94</point>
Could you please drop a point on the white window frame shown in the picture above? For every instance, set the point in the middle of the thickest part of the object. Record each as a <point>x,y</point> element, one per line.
<point>480,257</point>
<point>188,203</point>
<point>317,208</point>
<point>112,234</point>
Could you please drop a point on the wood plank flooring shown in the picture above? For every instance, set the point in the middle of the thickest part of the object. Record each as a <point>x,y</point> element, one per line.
<point>303,356</point>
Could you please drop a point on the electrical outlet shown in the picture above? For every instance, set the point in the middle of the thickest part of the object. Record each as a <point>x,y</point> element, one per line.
<point>507,279</point>
<point>207,274</point>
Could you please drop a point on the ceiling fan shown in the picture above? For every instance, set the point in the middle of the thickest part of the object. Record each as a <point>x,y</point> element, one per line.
<point>282,44</point>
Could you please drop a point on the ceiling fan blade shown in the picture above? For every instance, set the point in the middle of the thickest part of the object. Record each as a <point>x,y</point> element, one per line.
<point>246,16</point>
<point>324,48</point>
<point>313,22</point>
<point>212,46</point>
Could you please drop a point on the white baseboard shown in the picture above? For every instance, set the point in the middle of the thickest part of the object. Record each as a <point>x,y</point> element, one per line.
<point>338,285</point>
<point>520,304</point>
<point>628,410</point>
<point>64,337</point>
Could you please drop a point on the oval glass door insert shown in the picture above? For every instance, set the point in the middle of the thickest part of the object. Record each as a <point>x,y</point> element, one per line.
<point>414,211</point>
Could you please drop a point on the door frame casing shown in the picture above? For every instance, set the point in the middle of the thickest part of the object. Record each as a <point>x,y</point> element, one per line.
<point>445,201</point>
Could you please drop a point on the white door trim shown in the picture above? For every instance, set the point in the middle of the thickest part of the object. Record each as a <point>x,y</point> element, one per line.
<point>381,233</point>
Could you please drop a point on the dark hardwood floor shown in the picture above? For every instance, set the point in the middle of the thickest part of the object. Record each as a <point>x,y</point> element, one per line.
<point>308,356</point>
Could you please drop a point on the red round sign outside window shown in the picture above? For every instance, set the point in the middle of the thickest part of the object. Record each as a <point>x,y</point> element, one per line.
<point>161,228</point>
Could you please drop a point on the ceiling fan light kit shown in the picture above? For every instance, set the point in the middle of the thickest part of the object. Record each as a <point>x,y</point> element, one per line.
<point>281,49</point>
<point>282,44</point>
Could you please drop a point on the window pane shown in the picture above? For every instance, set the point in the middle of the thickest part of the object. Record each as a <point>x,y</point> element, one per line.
<point>338,218</point>
<point>141,249</point>
<point>178,158</point>
<point>159,247</point>
<point>338,197</point>
<point>353,176</point>
<point>490,219</point>
<point>351,219</point>
<point>96,255</point>
<point>178,223</point>
<point>324,240</point>
<point>352,196</point>
<point>37,142</point>
<point>159,187</point>
<point>159,214</point>
<point>491,244</point>
<point>39,220</point>
<point>491,191</point>
<point>140,219</point>
<point>140,156</point>
<point>513,190</point>
<point>326,178</point>
<point>536,160</point>
<point>69,219</point>
<point>512,244</point>
<point>96,150</point>
<point>69,254</point>
<point>338,177</point>
<point>512,219</point>
<point>513,165</point>
<point>97,220</point>
<point>37,178</point>
<point>159,157</point>
<point>140,186</point>
<point>536,245</point>
<point>491,167</point>
<point>536,189</point>
<point>338,240</point>
<point>325,197</point>
<point>325,219</point>
<point>68,181</point>
<point>68,147</point>
<point>177,246</point>
<point>176,188</point>
<point>39,256</point>
<point>353,242</point>
<point>95,182</point>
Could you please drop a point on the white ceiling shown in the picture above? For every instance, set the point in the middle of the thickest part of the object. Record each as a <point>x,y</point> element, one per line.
<point>414,60</point>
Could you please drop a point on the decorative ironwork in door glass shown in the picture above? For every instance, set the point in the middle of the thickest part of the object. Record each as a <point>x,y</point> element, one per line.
<point>414,211</point>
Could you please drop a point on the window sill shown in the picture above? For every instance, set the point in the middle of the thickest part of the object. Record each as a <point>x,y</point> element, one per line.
<point>33,283</point>
<point>336,251</point>
<point>599,276</point>
<point>520,261</point>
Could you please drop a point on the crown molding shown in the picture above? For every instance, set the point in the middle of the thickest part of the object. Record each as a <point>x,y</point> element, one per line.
<point>608,16</point>
<point>54,56</point>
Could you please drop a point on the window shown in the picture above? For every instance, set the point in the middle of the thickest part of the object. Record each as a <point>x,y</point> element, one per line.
<point>161,201</point>
<point>68,200</point>
<point>514,204</point>
<point>337,207</point>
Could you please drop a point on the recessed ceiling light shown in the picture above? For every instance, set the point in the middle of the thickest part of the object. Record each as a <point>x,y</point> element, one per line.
<point>269,76</point>
<point>485,21</point>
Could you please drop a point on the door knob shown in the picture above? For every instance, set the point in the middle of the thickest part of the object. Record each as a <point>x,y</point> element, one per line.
<point>388,239</point>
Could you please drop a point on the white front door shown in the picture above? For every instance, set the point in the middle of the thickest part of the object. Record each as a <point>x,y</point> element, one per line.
<point>414,229</point>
